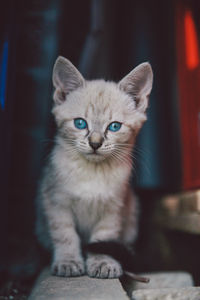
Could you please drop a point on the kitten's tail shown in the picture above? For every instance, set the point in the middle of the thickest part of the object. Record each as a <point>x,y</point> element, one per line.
<point>120,252</point>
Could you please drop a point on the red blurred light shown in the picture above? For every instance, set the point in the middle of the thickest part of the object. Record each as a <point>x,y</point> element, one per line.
<point>191,42</point>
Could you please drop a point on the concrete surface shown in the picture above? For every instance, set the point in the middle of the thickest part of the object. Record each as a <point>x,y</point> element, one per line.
<point>166,286</point>
<point>50,287</point>
<point>190,293</point>
<point>160,280</point>
<point>162,286</point>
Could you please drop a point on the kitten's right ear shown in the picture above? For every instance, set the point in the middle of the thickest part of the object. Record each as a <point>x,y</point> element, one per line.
<point>138,84</point>
<point>66,78</point>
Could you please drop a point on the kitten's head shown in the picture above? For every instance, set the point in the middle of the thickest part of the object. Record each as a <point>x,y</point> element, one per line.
<point>97,119</point>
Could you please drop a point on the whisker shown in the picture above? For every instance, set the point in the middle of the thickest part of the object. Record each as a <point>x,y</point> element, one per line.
<point>141,157</point>
<point>135,154</point>
<point>128,156</point>
<point>122,158</point>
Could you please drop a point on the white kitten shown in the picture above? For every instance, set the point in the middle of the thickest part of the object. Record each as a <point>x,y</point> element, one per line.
<point>85,194</point>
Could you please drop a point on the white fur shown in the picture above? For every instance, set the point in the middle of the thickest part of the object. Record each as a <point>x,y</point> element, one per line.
<point>85,195</point>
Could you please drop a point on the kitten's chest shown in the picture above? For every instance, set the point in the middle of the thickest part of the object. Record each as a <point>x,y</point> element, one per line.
<point>86,215</point>
<point>96,185</point>
<point>92,192</point>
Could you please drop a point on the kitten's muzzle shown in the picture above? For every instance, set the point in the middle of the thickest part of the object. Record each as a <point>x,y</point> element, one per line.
<point>95,140</point>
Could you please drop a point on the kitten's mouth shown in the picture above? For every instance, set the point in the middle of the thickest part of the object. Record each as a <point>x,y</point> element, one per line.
<point>95,156</point>
<point>94,153</point>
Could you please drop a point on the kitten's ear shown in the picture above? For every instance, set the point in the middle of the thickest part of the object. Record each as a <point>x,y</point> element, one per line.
<point>138,84</point>
<point>66,78</point>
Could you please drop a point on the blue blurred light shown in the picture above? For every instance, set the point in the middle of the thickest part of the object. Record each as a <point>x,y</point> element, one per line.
<point>3,74</point>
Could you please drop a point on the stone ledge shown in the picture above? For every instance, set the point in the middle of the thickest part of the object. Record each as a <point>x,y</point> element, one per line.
<point>162,280</point>
<point>49,287</point>
<point>166,286</point>
<point>163,286</point>
<point>158,282</point>
<point>190,293</point>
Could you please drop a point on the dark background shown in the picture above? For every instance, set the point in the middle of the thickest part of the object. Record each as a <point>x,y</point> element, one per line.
<point>103,39</point>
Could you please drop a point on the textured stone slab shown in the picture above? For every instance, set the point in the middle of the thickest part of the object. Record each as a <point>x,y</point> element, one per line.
<point>190,293</point>
<point>158,280</point>
<point>161,280</point>
<point>50,287</point>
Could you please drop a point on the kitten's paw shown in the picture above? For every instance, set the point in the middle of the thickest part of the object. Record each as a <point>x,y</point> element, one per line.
<point>68,268</point>
<point>102,266</point>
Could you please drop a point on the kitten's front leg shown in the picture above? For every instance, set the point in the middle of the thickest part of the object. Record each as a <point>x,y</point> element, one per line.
<point>67,258</point>
<point>103,266</point>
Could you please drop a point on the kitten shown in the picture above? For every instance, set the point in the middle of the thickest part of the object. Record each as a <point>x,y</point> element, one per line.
<point>85,194</point>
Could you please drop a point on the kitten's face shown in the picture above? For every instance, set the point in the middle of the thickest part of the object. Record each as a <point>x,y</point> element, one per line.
<point>96,119</point>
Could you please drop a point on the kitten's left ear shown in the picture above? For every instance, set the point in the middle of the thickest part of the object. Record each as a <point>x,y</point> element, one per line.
<point>138,84</point>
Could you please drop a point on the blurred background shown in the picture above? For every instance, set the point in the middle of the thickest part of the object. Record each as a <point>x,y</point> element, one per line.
<point>103,39</point>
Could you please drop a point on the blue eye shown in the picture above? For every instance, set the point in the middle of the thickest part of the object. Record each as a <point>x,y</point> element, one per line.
<point>80,123</point>
<point>114,126</point>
